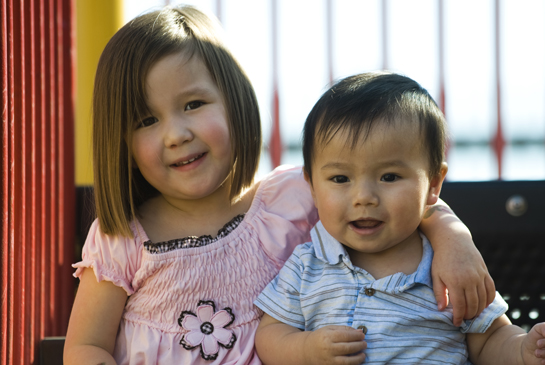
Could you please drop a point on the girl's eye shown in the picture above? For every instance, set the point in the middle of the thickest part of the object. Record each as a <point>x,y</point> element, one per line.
<point>148,121</point>
<point>389,177</point>
<point>339,179</point>
<point>193,105</point>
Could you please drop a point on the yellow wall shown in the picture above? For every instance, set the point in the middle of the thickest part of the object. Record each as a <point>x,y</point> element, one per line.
<point>96,22</point>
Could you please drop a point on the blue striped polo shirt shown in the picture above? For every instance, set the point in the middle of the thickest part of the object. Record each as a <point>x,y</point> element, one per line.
<point>319,286</point>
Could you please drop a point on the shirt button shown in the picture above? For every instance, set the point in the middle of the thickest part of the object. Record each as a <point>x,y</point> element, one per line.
<point>363,328</point>
<point>369,292</point>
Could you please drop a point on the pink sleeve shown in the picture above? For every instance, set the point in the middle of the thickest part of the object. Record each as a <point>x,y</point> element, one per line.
<point>288,212</point>
<point>112,258</point>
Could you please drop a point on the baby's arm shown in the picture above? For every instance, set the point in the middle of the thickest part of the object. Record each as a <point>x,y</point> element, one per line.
<point>504,343</point>
<point>94,322</point>
<point>279,343</point>
<point>457,264</point>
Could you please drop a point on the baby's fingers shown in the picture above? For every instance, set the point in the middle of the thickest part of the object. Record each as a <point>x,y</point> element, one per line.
<point>355,359</point>
<point>343,334</point>
<point>350,352</point>
<point>349,348</point>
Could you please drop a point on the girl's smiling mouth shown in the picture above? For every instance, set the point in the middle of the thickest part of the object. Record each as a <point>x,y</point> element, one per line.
<point>185,162</point>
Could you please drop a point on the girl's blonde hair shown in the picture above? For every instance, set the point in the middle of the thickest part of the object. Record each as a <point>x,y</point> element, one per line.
<point>119,100</point>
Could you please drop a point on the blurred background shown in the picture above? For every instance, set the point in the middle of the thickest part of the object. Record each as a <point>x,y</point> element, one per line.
<point>482,61</point>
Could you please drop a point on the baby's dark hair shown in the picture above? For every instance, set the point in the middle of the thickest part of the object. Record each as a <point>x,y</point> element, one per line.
<point>120,101</point>
<point>357,103</point>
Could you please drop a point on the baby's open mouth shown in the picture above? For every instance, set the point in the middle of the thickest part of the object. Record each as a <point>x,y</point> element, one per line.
<point>366,223</point>
<point>181,163</point>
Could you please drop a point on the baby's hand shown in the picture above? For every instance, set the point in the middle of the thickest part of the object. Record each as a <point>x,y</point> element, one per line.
<point>533,346</point>
<point>335,345</point>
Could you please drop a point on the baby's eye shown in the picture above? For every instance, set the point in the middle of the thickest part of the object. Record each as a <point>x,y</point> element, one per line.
<point>340,179</point>
<point>193,105</point>
<point>148,121</point>
<point>389,177</point>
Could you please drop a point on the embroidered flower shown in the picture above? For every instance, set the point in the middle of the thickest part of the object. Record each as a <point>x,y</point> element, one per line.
<point>207,329</point>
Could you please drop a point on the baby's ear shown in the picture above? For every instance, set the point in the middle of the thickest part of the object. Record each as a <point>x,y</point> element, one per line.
<point>307,176</point>
<point>436,183</point>
<point>309,181</point>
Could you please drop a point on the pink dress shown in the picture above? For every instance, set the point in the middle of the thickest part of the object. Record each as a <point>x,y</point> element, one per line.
<point>195,305</point>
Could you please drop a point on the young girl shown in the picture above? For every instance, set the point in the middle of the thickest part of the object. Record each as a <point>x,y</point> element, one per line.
<point>185,240</point>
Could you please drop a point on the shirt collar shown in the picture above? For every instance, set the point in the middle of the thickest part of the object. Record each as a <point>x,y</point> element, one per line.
<point>327,248</point>
<point>331,251</point>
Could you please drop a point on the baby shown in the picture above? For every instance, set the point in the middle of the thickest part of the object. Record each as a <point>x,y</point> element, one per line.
<point>373,149</point>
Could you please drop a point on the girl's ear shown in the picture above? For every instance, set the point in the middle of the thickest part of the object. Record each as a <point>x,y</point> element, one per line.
<point>436,184</point>
<point>133,163</point>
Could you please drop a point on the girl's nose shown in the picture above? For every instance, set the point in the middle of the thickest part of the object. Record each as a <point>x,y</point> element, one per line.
<point>365,195</point>
<point>176,132</point>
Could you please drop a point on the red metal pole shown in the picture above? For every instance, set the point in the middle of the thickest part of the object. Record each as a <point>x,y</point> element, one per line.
<point>37,175</point>
<point>498,142</point>
<point>441,47</point>
<point>66,162</point>
<point>4,165</point>
<point>14,255</point>
<point>7,227</point>
<point>4,243</point>
<point>21,145</point>
<point>52,171</point>
<point>43,226</point>
<point>384,34</point>
<point>33,285</point>
<point>275,145</point>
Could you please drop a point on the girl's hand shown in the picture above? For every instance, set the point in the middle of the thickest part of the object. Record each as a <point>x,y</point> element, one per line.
<point>462,274</point>
<point>458,267</point>
<point>335,345</point>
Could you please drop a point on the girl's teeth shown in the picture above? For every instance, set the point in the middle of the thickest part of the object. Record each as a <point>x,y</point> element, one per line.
<point>188,161</point>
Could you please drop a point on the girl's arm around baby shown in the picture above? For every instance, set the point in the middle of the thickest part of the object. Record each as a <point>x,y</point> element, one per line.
<point>279,343</point>
<point>457,264</point>
<point>94,322</point>
<point>504,343</point>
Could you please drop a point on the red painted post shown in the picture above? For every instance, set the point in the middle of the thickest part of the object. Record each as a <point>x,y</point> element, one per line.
<point>4,255</point>
<point>498,143</point>
<point>441,47</point>
<point>37,167</point>
<point>275,145</point>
